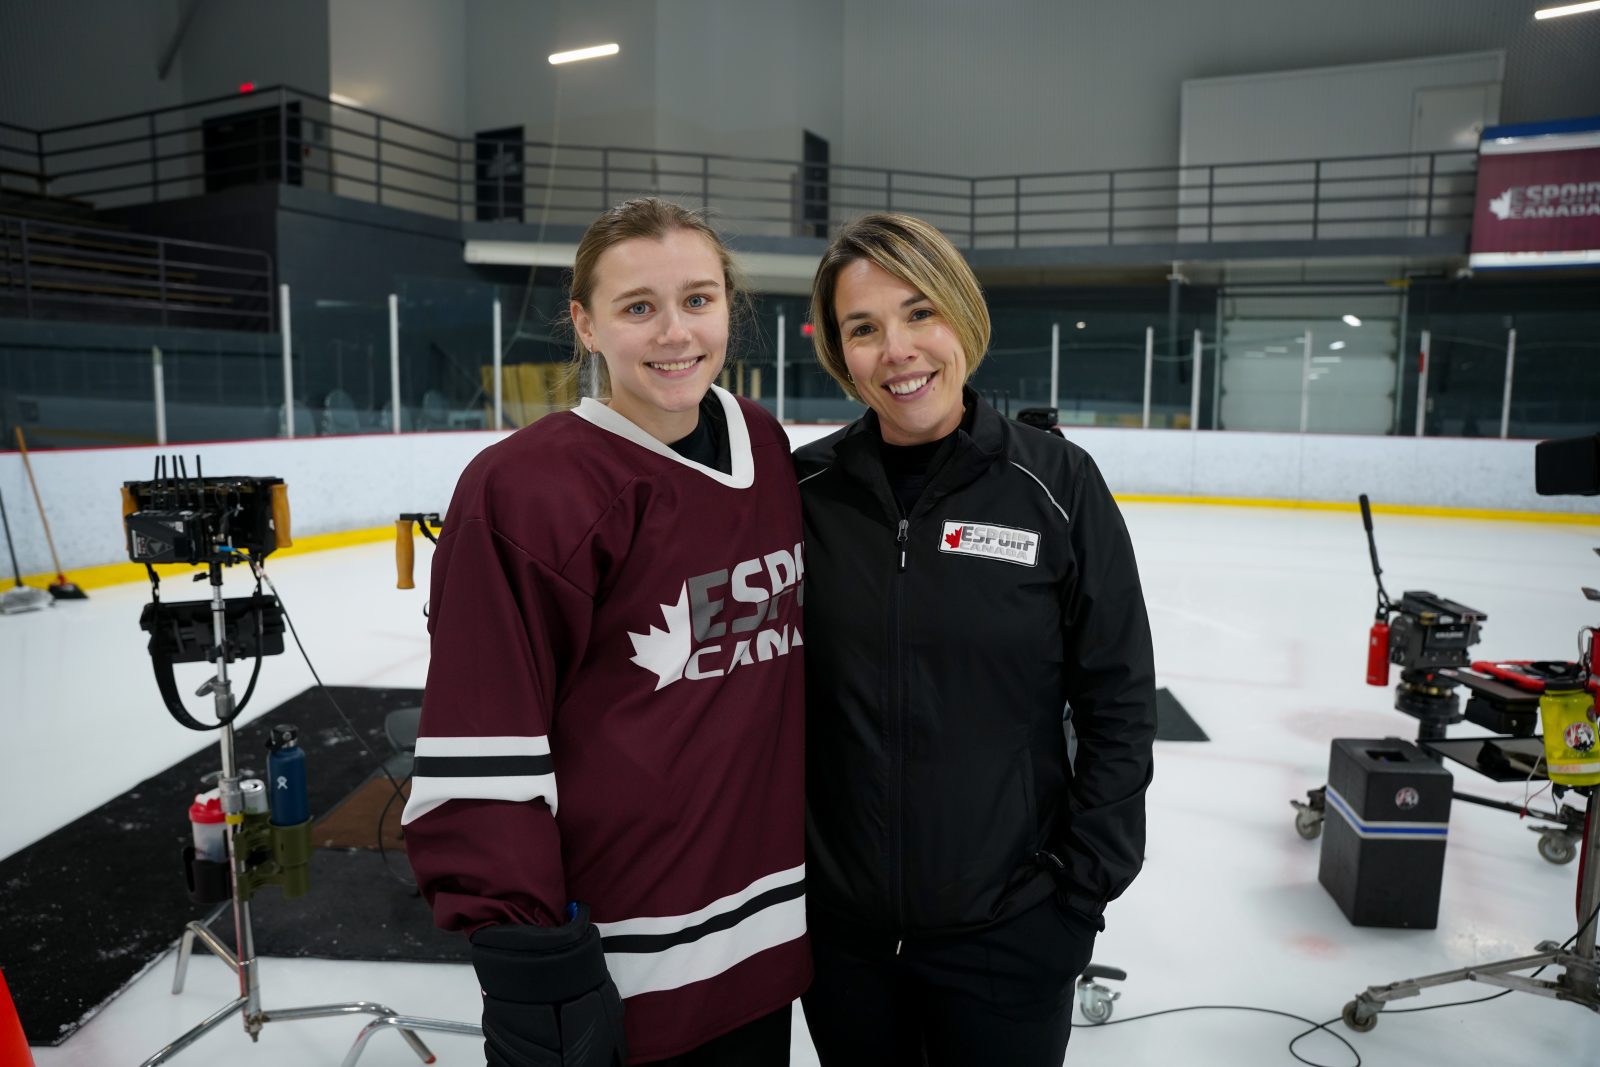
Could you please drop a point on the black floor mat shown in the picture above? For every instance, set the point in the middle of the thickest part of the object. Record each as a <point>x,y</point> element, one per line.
<point>1173,723</point>
<point>86,908</point>
<point>354,912</point>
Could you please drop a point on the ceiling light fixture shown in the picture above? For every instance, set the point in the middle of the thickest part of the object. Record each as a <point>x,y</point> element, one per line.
<point>1336,346</point>
<point>1566,9</point>
<point>577,54</point>
<point>1351,320</point>
<point>344,101</point>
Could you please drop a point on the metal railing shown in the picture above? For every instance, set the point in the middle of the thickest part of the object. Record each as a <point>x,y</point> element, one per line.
<point>283,134</point>
<point>49,267</point>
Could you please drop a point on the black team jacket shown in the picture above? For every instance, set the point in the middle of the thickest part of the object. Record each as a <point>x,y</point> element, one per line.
<point>942,647</point>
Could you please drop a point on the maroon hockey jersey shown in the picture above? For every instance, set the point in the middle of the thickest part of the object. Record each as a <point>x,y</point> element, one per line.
<point>614,713</point>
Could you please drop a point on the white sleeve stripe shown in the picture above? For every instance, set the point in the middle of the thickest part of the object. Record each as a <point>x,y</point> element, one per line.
<point>671,924</point>
<point>537,745</point>
<point>430,793</point>
<point>1041,485</point>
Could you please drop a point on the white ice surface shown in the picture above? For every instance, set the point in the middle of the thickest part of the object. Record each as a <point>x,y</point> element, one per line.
<point>1260,621</point>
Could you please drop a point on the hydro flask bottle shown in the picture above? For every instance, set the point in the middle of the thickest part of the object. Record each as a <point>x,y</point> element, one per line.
<point>286,776</point>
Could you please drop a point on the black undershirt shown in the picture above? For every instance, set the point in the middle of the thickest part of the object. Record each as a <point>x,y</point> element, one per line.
<point>707,443</point>
<point>911,467</point>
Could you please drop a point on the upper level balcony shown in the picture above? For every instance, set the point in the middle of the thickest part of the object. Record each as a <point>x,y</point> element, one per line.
<point>507,193</point>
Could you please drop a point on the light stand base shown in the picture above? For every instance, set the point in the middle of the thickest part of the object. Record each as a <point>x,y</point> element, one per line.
<point>385,1017</point>
<point>242,961</point>
<point>1578,982</point>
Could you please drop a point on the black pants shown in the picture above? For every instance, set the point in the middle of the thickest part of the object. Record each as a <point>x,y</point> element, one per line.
<point>1002,995</point>
<point>761,1043</point>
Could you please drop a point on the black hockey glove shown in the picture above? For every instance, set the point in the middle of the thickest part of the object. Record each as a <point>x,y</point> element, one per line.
<point>548,1000</point>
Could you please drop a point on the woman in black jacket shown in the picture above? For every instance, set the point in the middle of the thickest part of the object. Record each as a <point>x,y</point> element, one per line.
<point>967,578</point>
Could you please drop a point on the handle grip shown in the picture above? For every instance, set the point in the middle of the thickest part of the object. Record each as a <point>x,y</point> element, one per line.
<point>405,554</point>
<point>280,515</point>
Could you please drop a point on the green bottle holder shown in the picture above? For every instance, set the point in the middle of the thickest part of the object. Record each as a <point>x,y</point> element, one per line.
<point>273,856</point>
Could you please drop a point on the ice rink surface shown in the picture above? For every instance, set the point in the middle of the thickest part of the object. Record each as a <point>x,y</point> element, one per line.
<point>1260,619</point>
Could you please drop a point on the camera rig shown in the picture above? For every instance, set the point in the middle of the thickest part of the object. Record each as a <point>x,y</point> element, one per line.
<point>1565,698</point>
<point>178,518</point>
<point>1428,637</point>
<point>1420,633</point>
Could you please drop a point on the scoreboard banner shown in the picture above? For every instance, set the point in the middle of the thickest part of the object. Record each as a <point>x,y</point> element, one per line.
<point>1538,201</point>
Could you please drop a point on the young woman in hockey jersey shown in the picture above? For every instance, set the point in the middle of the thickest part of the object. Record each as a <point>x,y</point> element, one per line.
<point>966,577</point>
<point>608,783</point>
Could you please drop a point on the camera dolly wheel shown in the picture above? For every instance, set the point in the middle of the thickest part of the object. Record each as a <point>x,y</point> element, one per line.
<point>1310,812</point>
<point>1360,1017</point>
<point>1556,846</point>
<point>1095,1000</point>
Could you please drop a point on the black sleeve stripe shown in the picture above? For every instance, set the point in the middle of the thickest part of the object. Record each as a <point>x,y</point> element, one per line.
<point>481,766</point>
<point>725,921</point>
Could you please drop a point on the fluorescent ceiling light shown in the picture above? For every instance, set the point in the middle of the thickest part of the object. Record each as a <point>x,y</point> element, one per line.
<point>577,54</point>
<point>1336,346</point>
<point>1351,320</point>
<point>1325,359</point>
<point>344,101</point>
<point>1081,325</point>
<point>1566,9</point>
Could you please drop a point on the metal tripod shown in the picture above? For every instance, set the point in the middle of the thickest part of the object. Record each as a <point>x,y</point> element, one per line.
<point>1578,982</point>
<point>243,961</point>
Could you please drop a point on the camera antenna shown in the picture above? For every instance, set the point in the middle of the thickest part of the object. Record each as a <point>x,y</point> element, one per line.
<point>1372,548</point>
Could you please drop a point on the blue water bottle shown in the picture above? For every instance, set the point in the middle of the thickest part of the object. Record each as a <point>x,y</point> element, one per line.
<point>286,776</point>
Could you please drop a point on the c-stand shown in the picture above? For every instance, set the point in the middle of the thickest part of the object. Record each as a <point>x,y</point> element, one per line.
<point>217,522</point>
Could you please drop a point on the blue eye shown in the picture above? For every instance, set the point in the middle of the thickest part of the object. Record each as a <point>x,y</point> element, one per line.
<point>861,330</point>
<point>640,308</point>
<point>698,300</point>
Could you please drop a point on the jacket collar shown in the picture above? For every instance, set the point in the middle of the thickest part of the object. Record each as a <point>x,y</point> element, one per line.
<point>980,442</point>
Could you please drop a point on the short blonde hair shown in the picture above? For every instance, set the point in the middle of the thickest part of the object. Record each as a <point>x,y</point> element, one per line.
<point>917,254</point>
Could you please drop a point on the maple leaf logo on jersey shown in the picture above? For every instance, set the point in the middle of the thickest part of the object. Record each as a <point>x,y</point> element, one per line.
<point>953,538</point>
<point>1502,205</point>
<point>665,653</point>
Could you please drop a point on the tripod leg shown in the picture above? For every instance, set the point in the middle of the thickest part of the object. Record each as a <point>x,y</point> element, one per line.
<point>406,1024</point>
<point>186,949</point>
<point>212,1021</point>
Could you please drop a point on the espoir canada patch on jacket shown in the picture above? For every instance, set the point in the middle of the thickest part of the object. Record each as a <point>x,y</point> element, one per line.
<point>990,542</point>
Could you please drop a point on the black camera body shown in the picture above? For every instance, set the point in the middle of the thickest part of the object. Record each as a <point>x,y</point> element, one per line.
<point>195,520</point>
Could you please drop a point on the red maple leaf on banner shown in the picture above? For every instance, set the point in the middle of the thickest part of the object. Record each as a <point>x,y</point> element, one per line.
<point>953,538</point>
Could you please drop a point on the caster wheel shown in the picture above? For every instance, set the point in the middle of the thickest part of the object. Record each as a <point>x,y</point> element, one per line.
<point>1355,1020</point>
<point>1095,1004</point>
<point>1308,824</point>
<point>1557,848</point>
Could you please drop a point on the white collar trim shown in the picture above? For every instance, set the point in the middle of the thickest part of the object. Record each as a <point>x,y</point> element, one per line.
<point>743,474</point>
